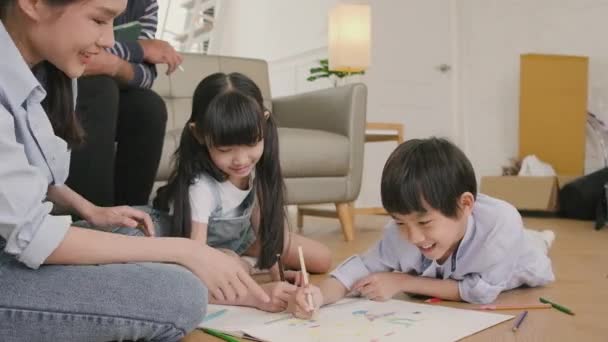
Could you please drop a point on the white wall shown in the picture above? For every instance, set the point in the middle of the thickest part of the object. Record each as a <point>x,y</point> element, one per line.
<point>404,85</point>
<point>494,34</point>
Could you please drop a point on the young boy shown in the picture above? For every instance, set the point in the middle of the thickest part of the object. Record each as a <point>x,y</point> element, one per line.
<point>444,241</point>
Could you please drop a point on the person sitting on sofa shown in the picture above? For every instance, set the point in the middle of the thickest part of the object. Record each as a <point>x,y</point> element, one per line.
<point>124,120</point>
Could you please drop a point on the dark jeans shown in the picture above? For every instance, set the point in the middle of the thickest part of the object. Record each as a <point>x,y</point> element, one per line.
<point>125,128</point>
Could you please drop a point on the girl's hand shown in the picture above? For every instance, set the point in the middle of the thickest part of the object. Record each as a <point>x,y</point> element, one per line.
<point>294,277</point>
<point>380,286</point>
<point>291,276</point>
<point>298,303</point>
<point>122,216</point>
<point>224,276</point>
<point>279,293</point>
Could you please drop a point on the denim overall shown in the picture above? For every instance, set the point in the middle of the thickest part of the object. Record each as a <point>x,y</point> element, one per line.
<point>229,230</point>
<point>232,229</point>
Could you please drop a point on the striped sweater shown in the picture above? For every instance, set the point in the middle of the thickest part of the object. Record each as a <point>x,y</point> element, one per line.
<point>146,12</point>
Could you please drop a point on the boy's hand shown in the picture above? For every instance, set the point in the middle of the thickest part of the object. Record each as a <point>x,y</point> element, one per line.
<point>298,303</point>
<point>380,286</point>
<point>279,293</point>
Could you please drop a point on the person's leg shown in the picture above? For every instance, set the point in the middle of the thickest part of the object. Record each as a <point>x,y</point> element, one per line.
<point>92,165</point>
<point>316,255</point>
<point>140,136</point>
<point>117,302</point>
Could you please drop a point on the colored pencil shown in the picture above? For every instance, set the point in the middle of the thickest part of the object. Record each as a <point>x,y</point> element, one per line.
<point>281,268</point>
<point>557,306</point>
<point>514,307</point>
<point>433,300</point>
<point>305,276</point>
<point>519,320</point>
<point>220,335</point>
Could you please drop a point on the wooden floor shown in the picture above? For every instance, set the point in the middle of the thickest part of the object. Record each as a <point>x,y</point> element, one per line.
<point>580,262</point>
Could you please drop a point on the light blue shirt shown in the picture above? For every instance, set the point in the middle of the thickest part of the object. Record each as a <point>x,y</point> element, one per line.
<point>494,255</point>
<point>32,158</point>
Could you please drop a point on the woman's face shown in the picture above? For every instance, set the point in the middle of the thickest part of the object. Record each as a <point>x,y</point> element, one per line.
<point>68,36</point>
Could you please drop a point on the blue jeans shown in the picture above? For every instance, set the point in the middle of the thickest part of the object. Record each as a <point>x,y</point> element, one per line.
<point>115,302</point>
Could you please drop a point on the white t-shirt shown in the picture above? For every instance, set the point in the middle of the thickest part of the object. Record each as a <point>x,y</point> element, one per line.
<point>203,201</point>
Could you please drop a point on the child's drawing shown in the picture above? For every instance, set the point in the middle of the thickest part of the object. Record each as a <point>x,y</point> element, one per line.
<point>363,320</point>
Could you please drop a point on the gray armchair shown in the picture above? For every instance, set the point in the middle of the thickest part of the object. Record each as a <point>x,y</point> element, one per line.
<point>321,133</point>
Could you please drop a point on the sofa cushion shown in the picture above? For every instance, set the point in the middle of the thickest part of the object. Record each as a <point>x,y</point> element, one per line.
<point>178,112</point>
<point>312,153</point>
<point>170,145</point>
<point>303,153</point>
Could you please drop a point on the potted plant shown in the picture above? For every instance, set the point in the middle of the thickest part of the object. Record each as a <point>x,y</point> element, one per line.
<point>323,72</point>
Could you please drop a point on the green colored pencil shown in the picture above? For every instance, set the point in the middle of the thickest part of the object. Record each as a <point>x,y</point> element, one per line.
<point>220,334</point>
<point>557,306</point>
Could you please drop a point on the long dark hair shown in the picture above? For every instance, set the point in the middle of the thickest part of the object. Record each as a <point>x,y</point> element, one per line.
<point>59,101</point>
<point>228,109</point>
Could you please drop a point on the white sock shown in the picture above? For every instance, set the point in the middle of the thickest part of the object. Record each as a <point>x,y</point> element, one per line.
<point>542,240</point>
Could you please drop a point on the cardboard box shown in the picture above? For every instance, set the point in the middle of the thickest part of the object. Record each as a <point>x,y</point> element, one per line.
<point>526,193</point>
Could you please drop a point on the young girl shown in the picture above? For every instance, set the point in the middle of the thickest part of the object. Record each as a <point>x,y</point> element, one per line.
<point>226,189</point>
<point>445,240</point>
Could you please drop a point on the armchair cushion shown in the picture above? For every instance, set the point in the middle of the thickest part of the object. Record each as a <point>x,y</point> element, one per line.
<point>313,153</point>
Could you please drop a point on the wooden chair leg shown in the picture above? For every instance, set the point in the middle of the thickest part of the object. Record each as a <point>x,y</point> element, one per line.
<point>345,214</point>
<point>300,219</point>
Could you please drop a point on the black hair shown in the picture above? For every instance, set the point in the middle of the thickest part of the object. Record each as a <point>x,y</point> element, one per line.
<point>228,109</point>
<point>432,171</point>
<point>59,101</point>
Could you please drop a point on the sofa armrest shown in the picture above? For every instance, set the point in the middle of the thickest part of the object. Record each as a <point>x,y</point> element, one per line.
<point>338,110</point>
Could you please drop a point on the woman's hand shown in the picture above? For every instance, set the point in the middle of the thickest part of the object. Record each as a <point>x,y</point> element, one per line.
<point>223,274</point>
<point>123,216</point>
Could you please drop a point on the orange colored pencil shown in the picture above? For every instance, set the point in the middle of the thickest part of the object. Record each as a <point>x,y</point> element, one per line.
<point>514,307</point>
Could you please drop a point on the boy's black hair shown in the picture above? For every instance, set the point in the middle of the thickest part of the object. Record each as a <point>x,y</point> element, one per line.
<point>228,109</point>
<point>432,171</point>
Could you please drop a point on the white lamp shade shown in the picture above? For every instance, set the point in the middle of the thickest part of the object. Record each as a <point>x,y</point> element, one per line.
<point>349,37</point>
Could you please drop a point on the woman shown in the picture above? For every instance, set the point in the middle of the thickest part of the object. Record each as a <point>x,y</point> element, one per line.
<point>47,291</point>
